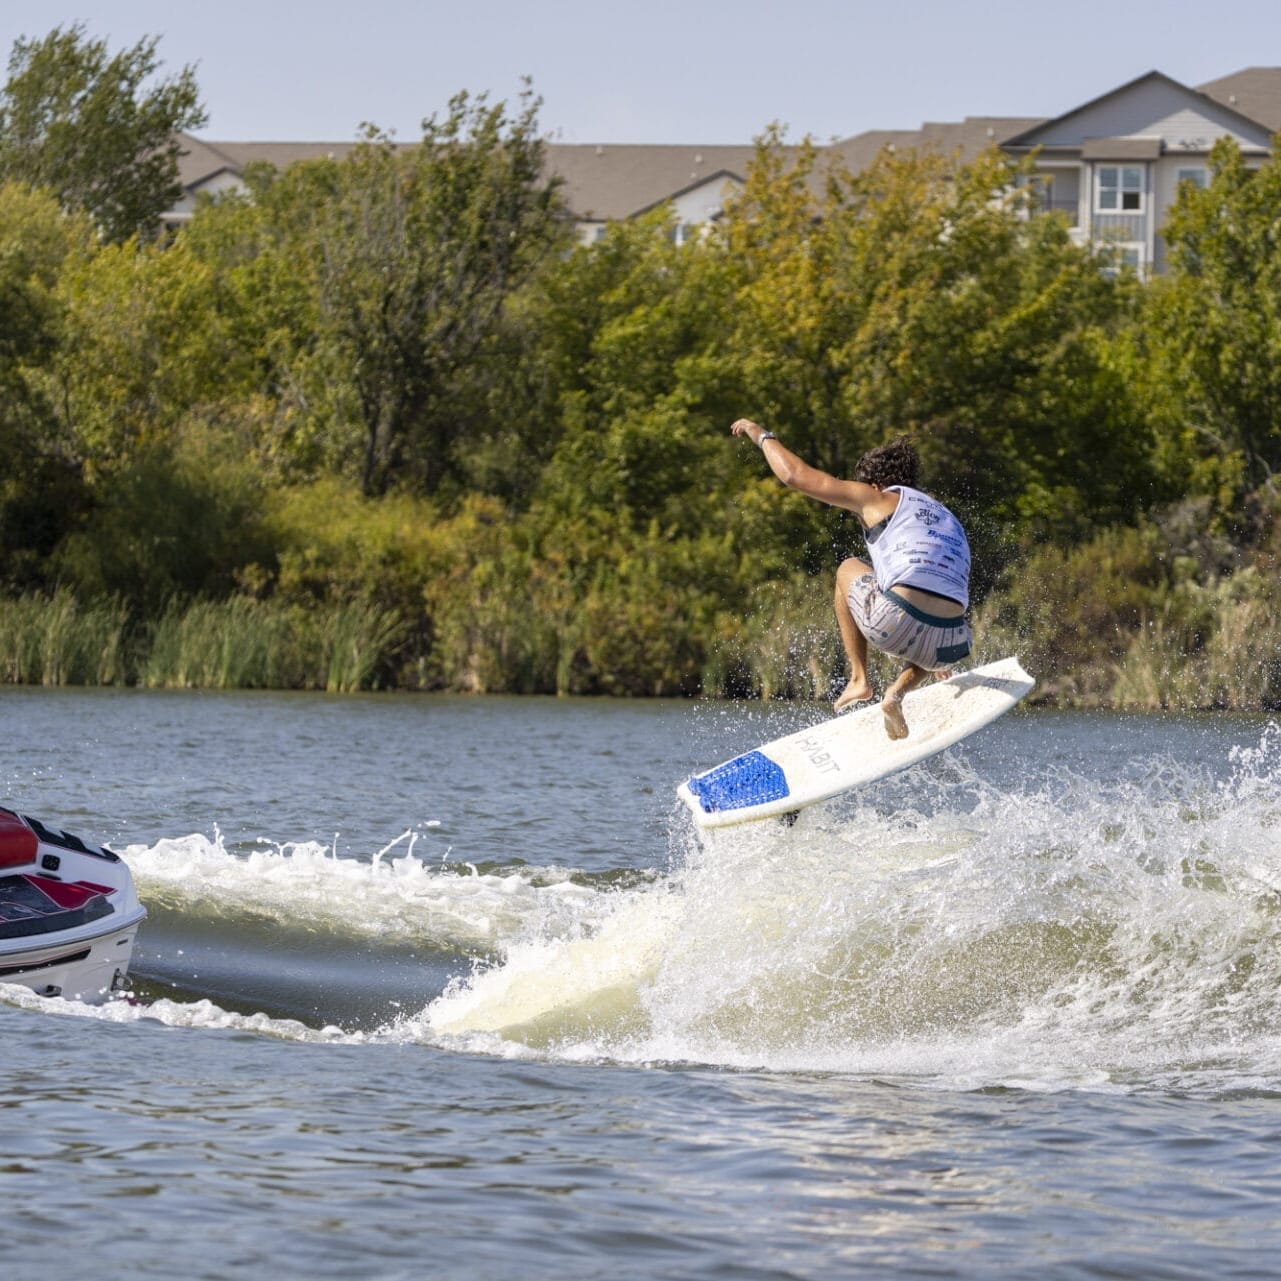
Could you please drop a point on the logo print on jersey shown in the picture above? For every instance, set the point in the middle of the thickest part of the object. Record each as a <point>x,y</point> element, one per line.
<point>928,516</point>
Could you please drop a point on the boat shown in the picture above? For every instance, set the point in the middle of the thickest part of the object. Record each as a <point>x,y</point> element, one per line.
<point>68,912</point>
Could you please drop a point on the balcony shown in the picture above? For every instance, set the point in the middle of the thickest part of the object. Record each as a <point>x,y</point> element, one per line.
<point>1070,209</point>
<point>1119,227</point>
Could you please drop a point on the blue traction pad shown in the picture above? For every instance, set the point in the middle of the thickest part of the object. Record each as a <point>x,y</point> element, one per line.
<point>751,779</point>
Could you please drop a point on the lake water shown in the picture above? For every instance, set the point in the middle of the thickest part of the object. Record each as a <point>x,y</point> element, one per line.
<point>439,987</point>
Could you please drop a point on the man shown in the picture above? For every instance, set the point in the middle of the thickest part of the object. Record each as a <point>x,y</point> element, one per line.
<point>910,602</point>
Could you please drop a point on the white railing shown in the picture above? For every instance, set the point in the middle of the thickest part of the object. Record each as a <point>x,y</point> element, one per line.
<point>1070,208</point>
<point>1122,227</point>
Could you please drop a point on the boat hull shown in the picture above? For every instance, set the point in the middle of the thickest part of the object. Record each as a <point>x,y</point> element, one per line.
<point>68,912</point>
<point>81,970</point>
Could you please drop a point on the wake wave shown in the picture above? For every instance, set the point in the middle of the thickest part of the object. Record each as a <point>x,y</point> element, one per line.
<point>183,1014</point>
<point>1123,935</point>
<point>1111,936</point>
<point>394,897</point>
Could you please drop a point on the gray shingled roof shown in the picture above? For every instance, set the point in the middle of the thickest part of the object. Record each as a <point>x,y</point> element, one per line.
<point>975,133</point>
<point>621,180</point>
<point>200,159</point>
<point>968,138</point>
<point>607,181</point>
<point>1254,92</point>
<point>601,182</point>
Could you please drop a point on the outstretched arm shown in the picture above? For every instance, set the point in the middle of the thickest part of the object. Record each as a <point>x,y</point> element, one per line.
<point>853,495</point>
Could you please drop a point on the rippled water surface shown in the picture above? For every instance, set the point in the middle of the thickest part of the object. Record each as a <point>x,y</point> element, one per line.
<point>446,987</point>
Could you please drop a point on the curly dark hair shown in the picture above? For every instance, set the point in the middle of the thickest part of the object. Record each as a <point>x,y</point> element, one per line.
<point>894,463</point>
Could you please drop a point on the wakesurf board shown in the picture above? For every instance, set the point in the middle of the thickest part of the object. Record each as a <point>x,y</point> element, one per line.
<point>852,749</point>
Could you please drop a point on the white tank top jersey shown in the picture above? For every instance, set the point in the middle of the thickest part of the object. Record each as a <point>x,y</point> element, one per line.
<point>921,545</point>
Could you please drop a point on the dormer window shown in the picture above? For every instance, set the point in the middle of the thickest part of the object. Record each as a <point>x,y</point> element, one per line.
<point>1119,189</point>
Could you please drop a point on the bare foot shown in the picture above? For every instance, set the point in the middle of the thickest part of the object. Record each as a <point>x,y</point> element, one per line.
<point>943,674</point>
<point>892,710</point>
<point>857,691</point>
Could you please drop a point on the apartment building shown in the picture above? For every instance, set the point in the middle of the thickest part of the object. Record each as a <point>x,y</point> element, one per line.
<point>1111,165</point>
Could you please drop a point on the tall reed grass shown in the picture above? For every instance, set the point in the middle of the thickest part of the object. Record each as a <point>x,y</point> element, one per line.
<point>53,640</point>
<point>355,642</point>
<point>240,643</point>
<point>237,643</point>
<point>1200,641</point>
<point>1217,646</point>
<point>244,643</point>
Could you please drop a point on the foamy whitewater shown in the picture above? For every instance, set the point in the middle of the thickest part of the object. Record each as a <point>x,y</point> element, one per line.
<point>1123,936</point>
<point>1118,935</point>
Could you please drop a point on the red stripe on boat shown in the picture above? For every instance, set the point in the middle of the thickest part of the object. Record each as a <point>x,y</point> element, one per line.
<point>18,843</point>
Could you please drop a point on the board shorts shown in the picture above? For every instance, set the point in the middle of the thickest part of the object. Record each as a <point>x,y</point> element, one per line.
<point>897,627</point>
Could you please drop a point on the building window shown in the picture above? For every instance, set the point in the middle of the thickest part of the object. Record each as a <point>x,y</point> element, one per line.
<point>1119,189</point>
<point>1195,176</point>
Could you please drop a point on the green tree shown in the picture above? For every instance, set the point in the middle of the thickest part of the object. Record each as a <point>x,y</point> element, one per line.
<point>41,486</point>
<point>292,379</point>
<point>628,326</point>
<point>1211,337</point>
<point>596,333</point>
<point>82,122</point>
<point>919,296</point>
<point>146,345</point>
<point>414,252</point>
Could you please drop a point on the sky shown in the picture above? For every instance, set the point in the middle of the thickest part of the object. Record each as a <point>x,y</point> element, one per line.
<point>659,71</point>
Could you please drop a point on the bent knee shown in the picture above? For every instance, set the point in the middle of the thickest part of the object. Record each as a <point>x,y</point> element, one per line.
<point>850,569</point>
